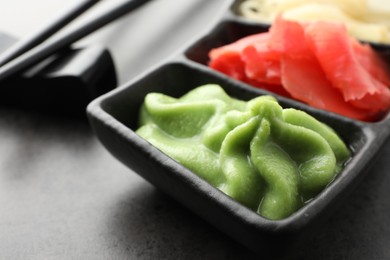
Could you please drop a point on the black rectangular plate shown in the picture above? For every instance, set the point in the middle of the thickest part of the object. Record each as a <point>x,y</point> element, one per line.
<point>114,118</point>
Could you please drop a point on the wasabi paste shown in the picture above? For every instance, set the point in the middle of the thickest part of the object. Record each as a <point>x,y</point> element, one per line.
<point>270,159</point>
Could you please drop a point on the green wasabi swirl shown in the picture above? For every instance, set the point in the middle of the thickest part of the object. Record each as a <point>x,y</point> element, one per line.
<point>270,159</point>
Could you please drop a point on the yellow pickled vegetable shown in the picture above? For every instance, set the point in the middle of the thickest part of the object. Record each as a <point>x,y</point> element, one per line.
<point>367,20</point>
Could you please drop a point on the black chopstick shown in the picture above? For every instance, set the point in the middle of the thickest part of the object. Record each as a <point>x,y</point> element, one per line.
<point>42,34</point>
<point>65,38</point>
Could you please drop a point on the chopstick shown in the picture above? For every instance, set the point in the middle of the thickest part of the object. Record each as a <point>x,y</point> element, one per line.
<point>65,38</point>
<point>36,38</point>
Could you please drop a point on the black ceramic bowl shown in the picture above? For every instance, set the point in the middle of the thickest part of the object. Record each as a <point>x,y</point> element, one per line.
<point>114,118</point>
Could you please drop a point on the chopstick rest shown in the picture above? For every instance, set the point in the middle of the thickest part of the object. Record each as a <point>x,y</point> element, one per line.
<point>62,85</point>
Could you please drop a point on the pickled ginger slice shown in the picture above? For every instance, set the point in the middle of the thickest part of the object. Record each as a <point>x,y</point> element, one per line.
<point>227,58</point>
<point>333,48</point>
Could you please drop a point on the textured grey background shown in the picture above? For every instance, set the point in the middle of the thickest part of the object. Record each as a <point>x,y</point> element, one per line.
<point>63,196</point>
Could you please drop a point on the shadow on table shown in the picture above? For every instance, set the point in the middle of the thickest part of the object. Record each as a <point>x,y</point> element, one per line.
<point>150,225</point>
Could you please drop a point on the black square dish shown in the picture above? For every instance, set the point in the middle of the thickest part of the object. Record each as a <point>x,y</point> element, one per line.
<point>114,118</point>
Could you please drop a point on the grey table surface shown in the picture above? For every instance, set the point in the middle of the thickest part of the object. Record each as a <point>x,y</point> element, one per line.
<point>63,196</point>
